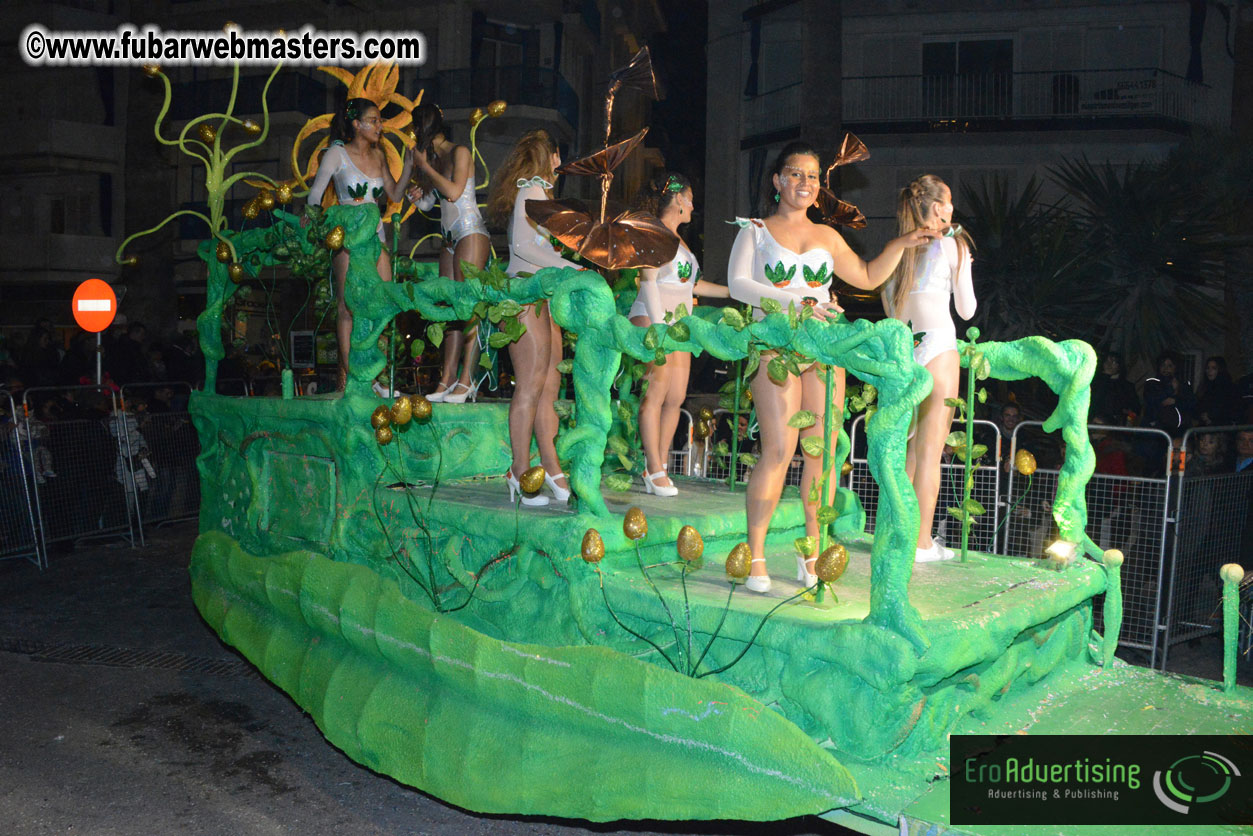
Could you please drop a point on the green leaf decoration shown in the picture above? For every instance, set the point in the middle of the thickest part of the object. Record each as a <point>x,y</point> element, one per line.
<point>956,439</point>
<point>957,512</point>
<point>753,361</point>
<point>680,332</point>
<point>625,414</point>
<point>734,318</point>
<point>358,191</point>
<point>777,370</point>
<point>978,451</point>
<point>955,403</point>
<point>680,312</point>
<point>802,419</point>
<point>814,494</point>
<point>618,482</point>
<point>566,366</point>
<point>626,463</point>
<point>815,278</point>
<point>638,370</point>
<point>982,395</point>
<point>650,338</point>
<point>982,368</point>
<point>618,445</point>
<point>770,306</point>
<point>869,393</point>
<point>416,348</point>
<point>377,193</point>
<point>513,327</point>
<point>685,270</point>
<point>972,505</point>
<point>722,449</point>
<point>659,359</point>
<point>827,515</point>
<point>805,545</point>
<point>812,445</point>
<point>856,404</point>
<point>435,333</point>
<point>499,340</point>
<point>564,409</point>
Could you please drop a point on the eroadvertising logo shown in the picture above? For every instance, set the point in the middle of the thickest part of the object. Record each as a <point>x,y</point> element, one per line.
<point>1089,779</point>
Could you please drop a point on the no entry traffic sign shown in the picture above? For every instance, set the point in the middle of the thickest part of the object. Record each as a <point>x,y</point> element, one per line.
<point>94,305</point>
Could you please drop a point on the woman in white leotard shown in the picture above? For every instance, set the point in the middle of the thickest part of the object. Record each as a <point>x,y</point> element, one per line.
<point>919,294</point>
<point>662,290</point>
<point>528,174</point>
<point>447,173</point>
<point>355,163</point>
<point>789,258</point>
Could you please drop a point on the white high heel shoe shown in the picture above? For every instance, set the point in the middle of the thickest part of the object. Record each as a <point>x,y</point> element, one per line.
<point>559,493</point>
<point>758,583</point>
<point>385,393</point>
<point>803,575</point>
<point>514,488</point>
<point>933,554</point>
<point>439,394</point>
<point>660,490</point>
<point>451,395</point>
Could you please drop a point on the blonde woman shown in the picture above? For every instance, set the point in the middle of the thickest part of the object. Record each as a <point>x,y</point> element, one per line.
<point>528,174</point>
<point>919,294</point>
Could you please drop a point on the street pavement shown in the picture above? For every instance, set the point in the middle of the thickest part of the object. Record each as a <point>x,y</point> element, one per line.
<point>121,713</point>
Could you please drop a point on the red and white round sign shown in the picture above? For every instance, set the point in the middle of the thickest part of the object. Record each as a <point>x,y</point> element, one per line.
<point>94,305</point>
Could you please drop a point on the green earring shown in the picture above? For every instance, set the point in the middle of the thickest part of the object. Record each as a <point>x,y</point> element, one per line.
<point>776,197</point>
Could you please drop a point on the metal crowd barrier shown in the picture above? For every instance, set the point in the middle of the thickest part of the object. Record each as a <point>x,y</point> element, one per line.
<point>1212,511</point>
<point>986,490</point>
<point>173,487</point>
<point>18,530</point>
<point>83,464</point>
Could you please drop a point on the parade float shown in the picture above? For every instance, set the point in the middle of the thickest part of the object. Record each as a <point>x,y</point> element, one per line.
<point>601,660</point>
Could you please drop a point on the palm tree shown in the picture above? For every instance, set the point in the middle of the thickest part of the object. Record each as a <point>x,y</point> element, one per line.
<point>1154,253</point>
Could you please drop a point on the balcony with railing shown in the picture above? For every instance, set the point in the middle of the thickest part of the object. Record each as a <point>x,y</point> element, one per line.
<point>1071,98</point>
<point>288,93</point>
<point>526,86</point>
<point>772,111</point>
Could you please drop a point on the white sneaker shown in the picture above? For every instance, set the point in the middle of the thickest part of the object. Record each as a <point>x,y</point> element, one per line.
<point>933,554</point>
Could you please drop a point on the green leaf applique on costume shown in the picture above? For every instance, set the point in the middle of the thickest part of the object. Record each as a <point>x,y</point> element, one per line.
<point>777,276</point>
<point>816,278</point>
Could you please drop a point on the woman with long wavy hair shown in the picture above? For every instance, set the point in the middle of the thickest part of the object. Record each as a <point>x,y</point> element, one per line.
<point>919,294</point>
<point>357,166</point>
<point>528,174</point>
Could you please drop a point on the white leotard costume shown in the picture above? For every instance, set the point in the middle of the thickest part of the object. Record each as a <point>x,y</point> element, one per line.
<point>942,270</point>
<point>672,287</point>
<point>457,218</point>
<point>760,268</point>
<point>352,187</point>
<point>529,247</point>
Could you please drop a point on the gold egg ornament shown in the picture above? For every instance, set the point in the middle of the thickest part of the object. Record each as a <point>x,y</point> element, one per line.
<point>831,564</point>
<point>380,417</point>
<point>739,561</point>
<point>335,238</point>
<point>705,414</point>
<point>1024,462</point>
<point>223,252</point>
<point>635,524</point>
<point>496,108</point>
<point>690,544</point>
<point>152,70</point>
<point>383,435</point>
<point>250,211</point>
<point>593,550</point>
<point>284,195</point>
<point>207,134</point>
<point>477,116</point>
<point>251,126</point>
<point>702,430</point>
<point>532,480</point>
<point>421,407</point>
<point>265,199</point>
<point>402,410</point>
<point>236,272</point>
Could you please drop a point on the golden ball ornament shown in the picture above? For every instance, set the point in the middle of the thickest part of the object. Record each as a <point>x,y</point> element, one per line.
<point>593,550</point>
<point>635,524</point>
<point>477,116</point>
<point>265,199</point>
<point>705,414</point>
<point>207,134</point>
<point>380,417</point>
<point>421,407</point>
<point>236,271</point>
<point>250,211</point>
<point>152,70</point>
<point>532,480</point>
<point>335,238</point>
<point>402,410</point>
<point>846,468</point>
<point>831,563</point>
<point>690,544</point>
<point>739,561</point>
<point>1024,462</point>
<point>251,126</point>
<point>224,252</point>
<point>283,195</point>
<point>1113,558</point>
<point>496,108</point>
<point>383,435</point>
<point>130,261</point>
<point>702,430</point>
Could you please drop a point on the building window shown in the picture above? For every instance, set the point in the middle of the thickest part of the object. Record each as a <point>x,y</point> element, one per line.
<point>965,78</point>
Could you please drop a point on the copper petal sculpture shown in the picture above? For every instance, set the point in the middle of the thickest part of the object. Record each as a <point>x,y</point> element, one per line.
<point>835,212</point>
<point>605,160</point>
<point>632,239</point>
<point>638,74</point>
<point>852,150</point>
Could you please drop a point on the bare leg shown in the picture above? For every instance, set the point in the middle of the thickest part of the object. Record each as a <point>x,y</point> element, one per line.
<point>651,404</point>
<point>343,316</point>
<point>529,355</point>
<point>546,423</point>
<point>813,398</point>
<point>472,249</point>
<point>679,363</point>
<point>775,405</point>
<point>927,448</point>
<point>452,338</point>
